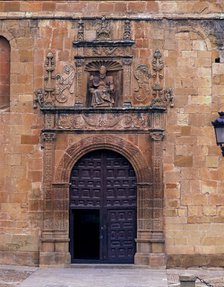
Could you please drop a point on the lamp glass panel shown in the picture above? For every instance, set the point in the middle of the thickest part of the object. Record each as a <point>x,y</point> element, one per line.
<point>219,135</point>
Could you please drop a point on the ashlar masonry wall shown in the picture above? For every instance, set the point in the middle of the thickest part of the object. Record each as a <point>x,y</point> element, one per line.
<point>189,35</point>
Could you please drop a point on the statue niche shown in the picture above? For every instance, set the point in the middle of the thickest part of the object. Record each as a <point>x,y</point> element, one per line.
<point>104,84</point>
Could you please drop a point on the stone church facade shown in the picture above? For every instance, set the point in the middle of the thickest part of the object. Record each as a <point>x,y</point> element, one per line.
<point>108,152</point>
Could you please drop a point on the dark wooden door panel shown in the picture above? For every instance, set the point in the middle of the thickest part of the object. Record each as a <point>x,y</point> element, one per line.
<point>121,233</point>
<point>104,179</point>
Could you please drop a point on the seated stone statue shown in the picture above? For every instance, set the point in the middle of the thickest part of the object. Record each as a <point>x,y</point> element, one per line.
<point>101,88</point>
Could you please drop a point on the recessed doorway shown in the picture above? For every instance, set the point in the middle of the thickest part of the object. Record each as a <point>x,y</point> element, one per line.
<point>103,209</point>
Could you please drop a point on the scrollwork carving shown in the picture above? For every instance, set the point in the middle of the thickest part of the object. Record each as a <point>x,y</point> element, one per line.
<point>65,84</point>
<point>142,76</point>
<point>39,99</point>
<point>107,51</point>
<point>56,88</point>
<point>103,121</point>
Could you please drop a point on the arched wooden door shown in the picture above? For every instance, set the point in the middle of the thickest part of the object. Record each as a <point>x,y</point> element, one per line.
<point>103,209</point>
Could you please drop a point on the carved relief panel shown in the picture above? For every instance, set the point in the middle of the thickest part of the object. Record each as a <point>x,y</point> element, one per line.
<point>103,73</point>
<point>104,83</point>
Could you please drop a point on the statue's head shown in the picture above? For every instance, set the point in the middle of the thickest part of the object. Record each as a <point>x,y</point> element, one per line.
<point>103,70</point>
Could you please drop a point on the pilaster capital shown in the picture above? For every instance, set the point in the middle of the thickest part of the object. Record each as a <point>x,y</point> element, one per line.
<point>157,135</point>
<point>48,137</point>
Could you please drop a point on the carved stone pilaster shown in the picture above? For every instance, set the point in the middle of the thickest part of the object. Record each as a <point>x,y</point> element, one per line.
<point>49,121</point>
<point>80,35</point>
<point>48,140</point>
<point>127,30</point>
<point>79,78</point>
<point>157,163</point>
<point>127,80</point>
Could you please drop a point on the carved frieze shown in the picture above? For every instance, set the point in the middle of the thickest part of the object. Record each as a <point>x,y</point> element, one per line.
<point>103,122</point>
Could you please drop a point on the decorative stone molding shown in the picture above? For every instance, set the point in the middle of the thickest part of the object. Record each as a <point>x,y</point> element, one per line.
<point>140,119</point>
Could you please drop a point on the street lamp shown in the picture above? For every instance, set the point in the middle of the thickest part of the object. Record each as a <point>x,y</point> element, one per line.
<point>218,125</point>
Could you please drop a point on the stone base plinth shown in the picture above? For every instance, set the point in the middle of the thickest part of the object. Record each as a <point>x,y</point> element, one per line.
<point>157,260</point>
<point>56,259</point>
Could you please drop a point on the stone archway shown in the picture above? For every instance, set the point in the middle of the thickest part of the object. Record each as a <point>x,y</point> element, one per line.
<point>117,144</point>
<point>55,235</point>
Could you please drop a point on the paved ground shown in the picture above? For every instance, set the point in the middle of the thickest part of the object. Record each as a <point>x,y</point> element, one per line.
<point>13,276</point>
<point>96,277</point>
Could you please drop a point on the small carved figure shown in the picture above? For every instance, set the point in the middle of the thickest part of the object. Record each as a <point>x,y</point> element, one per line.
<point>101,88</point>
